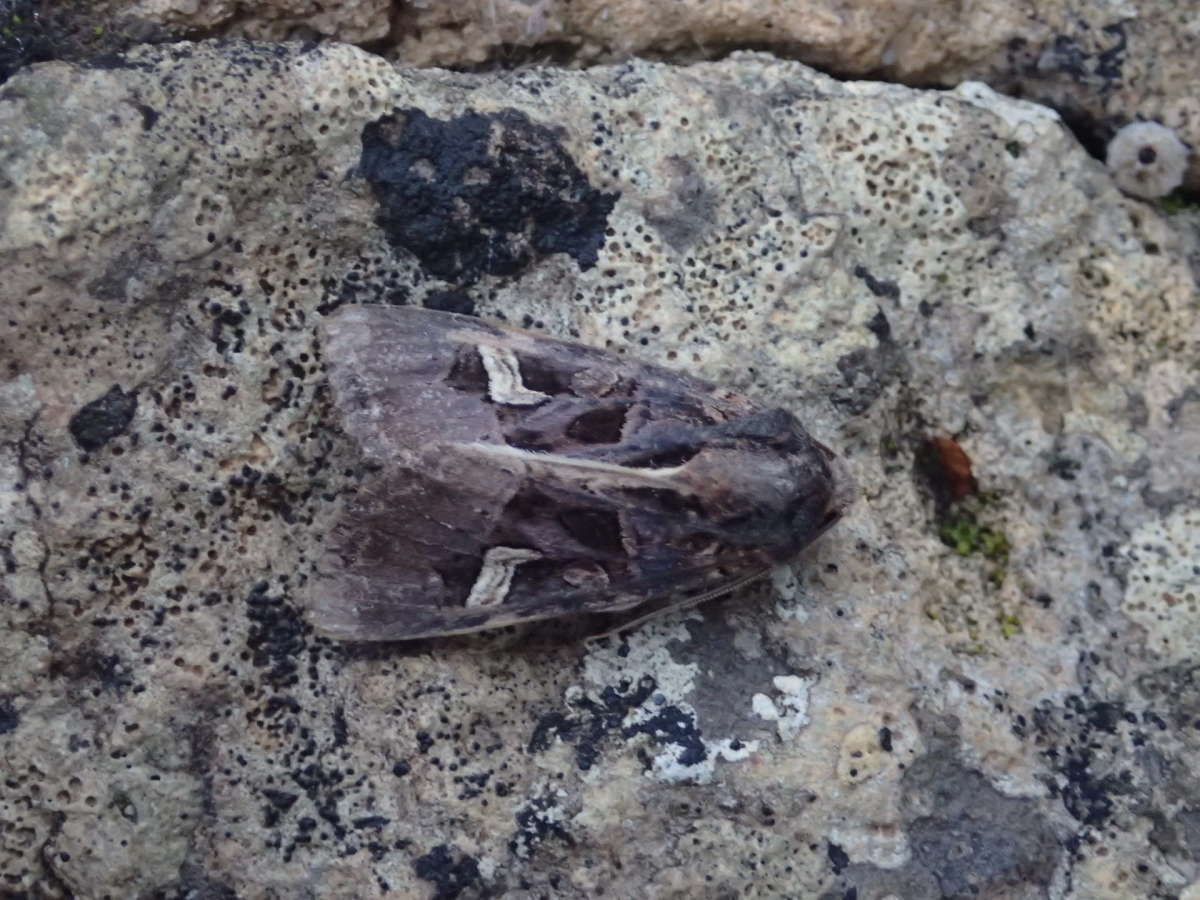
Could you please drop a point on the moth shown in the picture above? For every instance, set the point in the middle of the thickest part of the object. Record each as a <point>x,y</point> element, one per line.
<point>513,477</point>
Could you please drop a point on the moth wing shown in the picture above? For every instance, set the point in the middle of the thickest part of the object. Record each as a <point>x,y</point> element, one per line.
<point>393,619</point>
<point>404,364</point>
<point>410,547</point>
<point>351,606</point>
<point>391,372</point>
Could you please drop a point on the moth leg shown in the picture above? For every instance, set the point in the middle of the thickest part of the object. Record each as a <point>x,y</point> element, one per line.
<point>682,604</point>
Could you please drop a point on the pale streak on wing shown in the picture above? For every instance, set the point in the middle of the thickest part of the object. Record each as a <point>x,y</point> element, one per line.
<point>582,469</point>
<point>496,575</point>
<point>504,378</point>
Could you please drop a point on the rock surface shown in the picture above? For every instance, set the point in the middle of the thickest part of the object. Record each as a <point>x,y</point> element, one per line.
<point>982,683</point>
<point>1101,64</point>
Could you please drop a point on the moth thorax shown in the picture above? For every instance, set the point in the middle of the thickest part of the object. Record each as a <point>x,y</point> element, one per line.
<point>737,480</point>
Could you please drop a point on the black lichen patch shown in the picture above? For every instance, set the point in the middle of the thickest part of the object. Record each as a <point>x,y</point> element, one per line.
<point>227,328</point>
<point>593,722</point>
<point>103,419</point>
<point>1090,58</point>
<point>1087,62</point>
<point>449,875</point>
<point>93,670</point>
<point>326,787</point>
<point>1176,690</point>
<point>314,801</point>
<point>877,286</point>
<point>277,637</point>
<point>838,858</point>
<point>9,717</point>
<point>885,739</point>
<point>537,820</point>
<point>879,326</point>
<point>278,804</point>
<point>1082,740</point>
<point>1065,468</point>
<point>472,784</point>
<point>1089,796</point>
<point>671,725</point>
<point>480,194</point>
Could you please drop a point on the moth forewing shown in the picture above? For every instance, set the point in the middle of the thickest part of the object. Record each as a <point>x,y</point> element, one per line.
<point>517,477</point>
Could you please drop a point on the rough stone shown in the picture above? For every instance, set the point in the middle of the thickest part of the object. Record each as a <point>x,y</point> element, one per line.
<point>1102,65</point>
<point>1010,669</point>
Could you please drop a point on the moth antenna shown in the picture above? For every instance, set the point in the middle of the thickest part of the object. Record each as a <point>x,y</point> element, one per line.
<point>684,603</point>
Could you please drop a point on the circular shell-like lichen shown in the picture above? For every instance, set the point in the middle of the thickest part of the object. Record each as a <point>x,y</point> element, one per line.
<point>1147,159</point>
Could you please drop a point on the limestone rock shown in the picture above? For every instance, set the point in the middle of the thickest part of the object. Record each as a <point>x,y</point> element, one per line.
<point>1012,666</point>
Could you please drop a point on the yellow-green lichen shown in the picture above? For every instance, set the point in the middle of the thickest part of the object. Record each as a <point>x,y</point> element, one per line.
<point>967,536</point>
<point>1010,625</point>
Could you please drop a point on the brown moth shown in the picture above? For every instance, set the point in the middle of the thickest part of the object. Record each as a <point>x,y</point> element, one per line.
<point>515,477</point>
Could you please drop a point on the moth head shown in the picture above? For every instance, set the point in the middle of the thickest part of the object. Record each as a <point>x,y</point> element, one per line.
<point>845,488</point>
<point>773,488</point>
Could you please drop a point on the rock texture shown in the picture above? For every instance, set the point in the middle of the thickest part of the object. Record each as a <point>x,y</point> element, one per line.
<point>985,682</point>
<point>1102,65</point>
